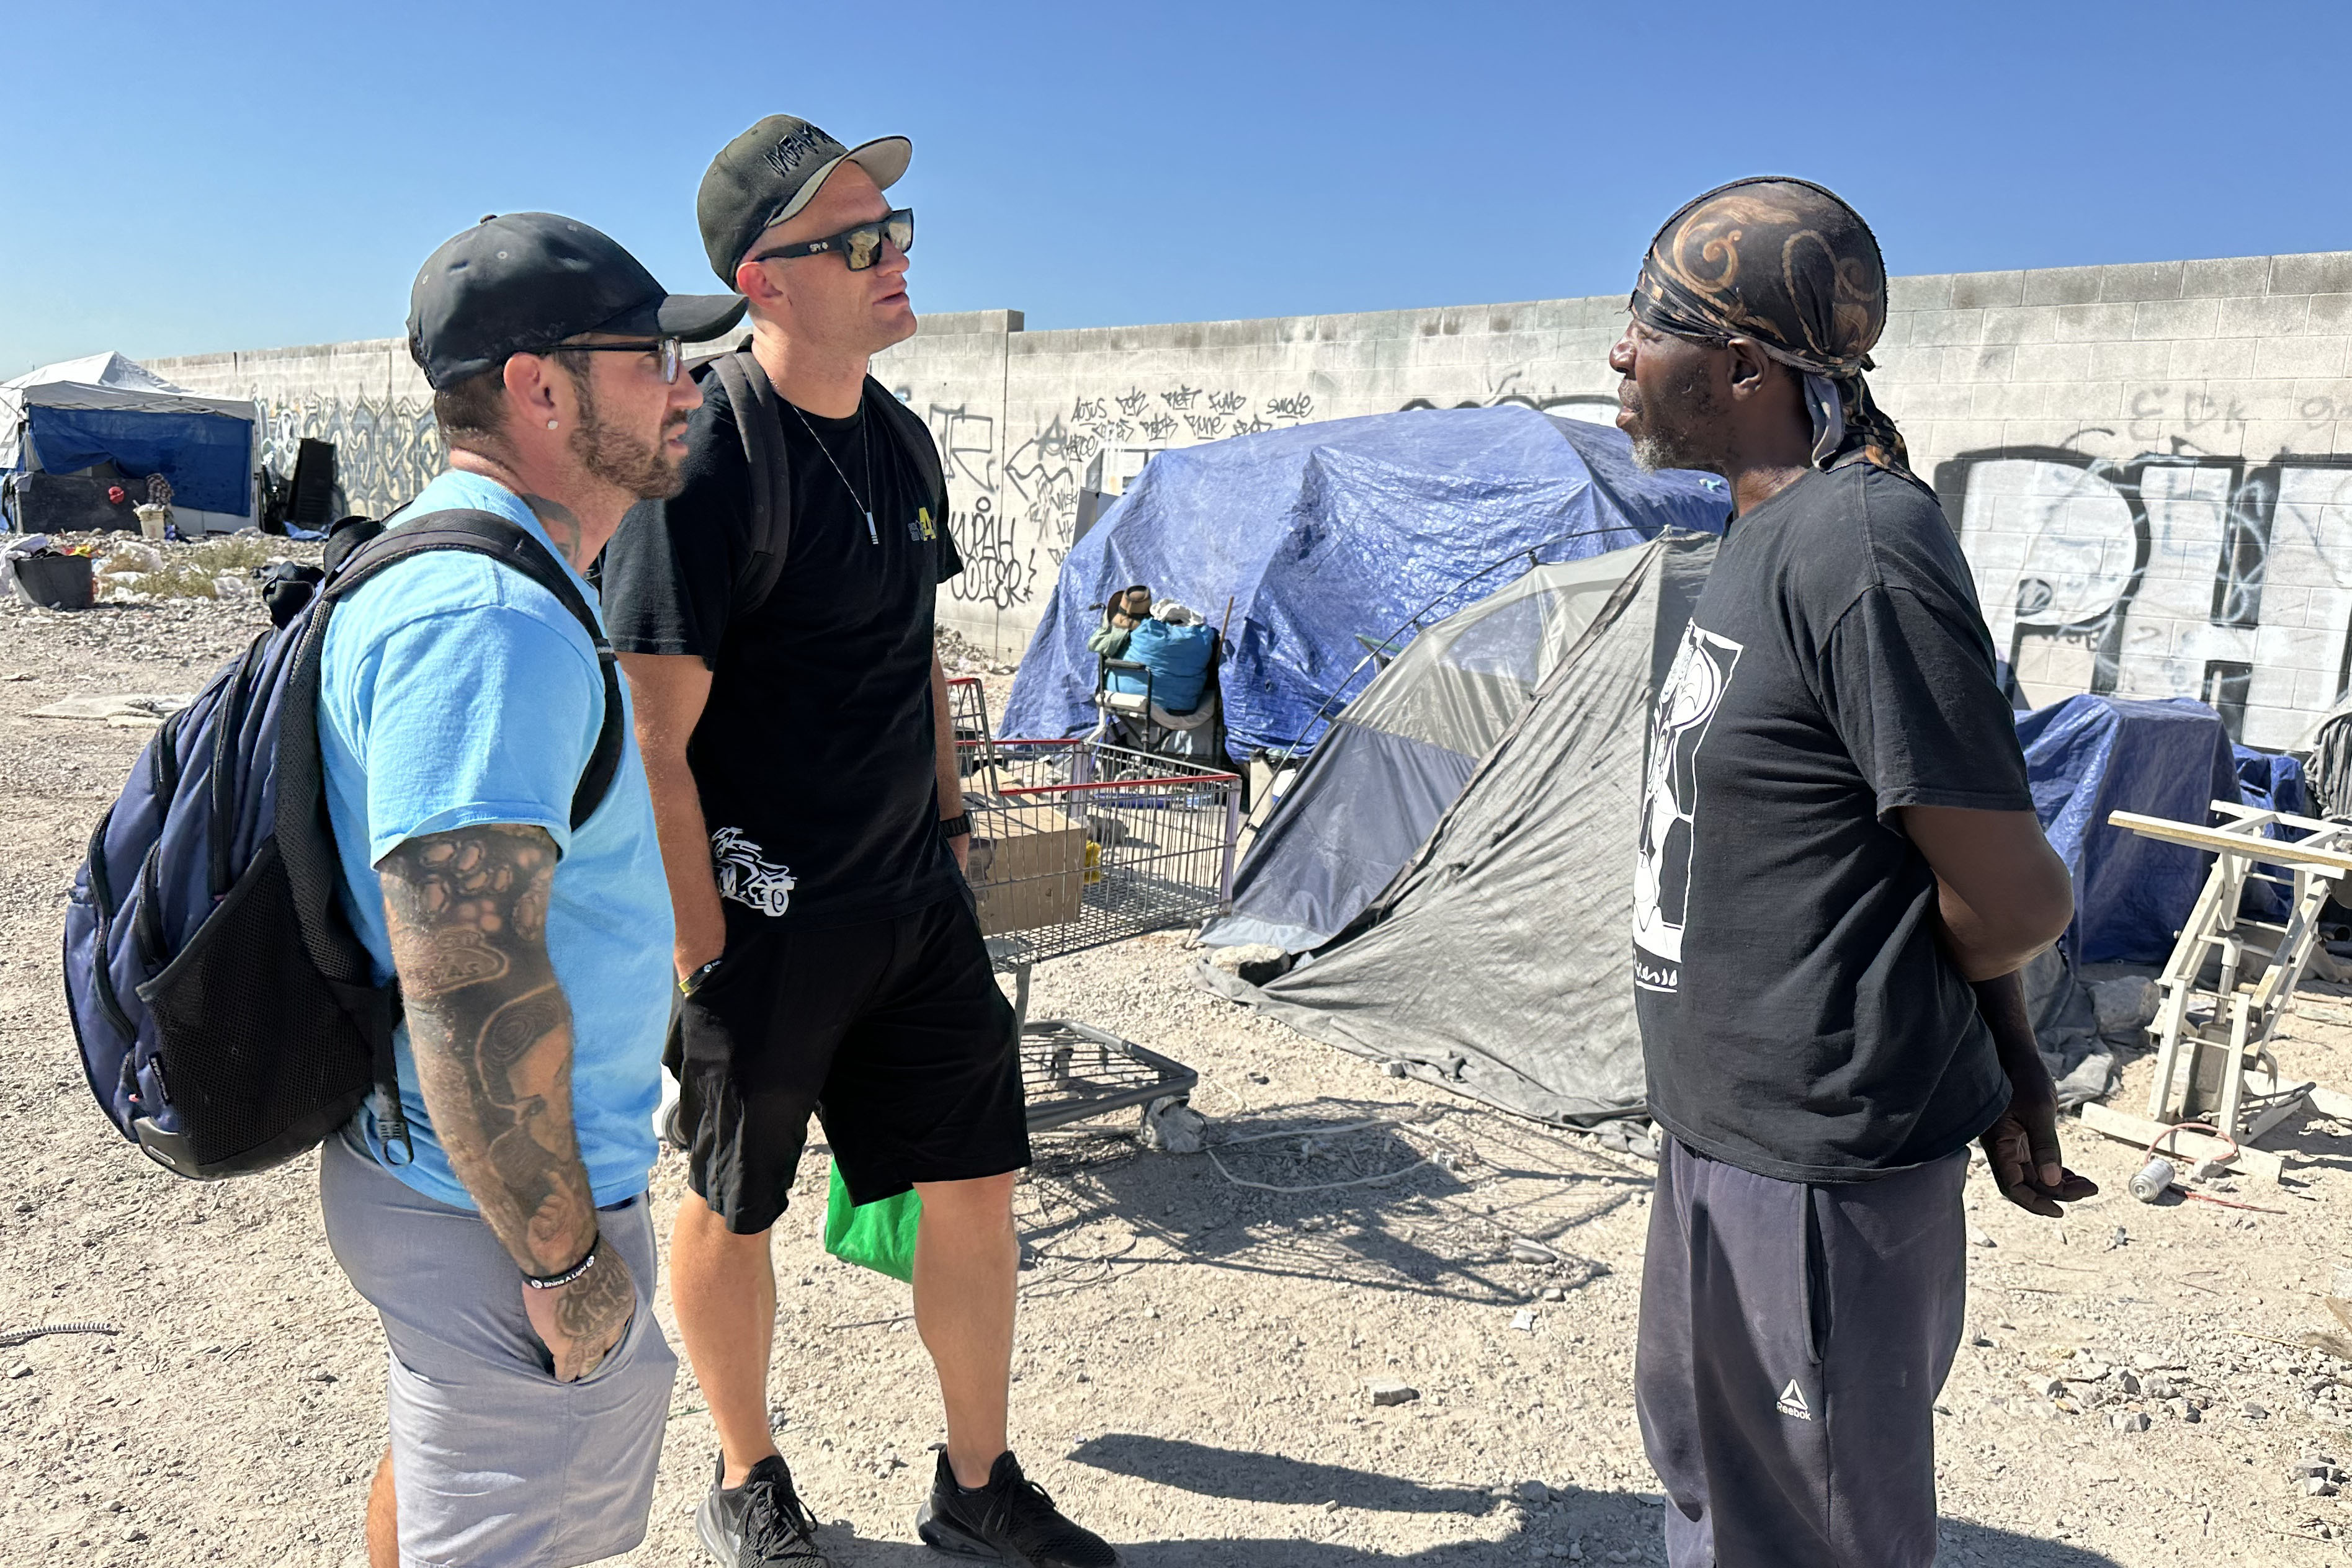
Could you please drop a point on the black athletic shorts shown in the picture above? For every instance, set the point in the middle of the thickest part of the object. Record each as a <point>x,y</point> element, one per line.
<point>893,1031</point>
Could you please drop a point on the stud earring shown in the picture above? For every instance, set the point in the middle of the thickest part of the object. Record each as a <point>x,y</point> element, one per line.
<point>550,424</point>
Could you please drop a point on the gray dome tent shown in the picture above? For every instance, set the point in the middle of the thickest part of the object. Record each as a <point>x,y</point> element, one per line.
<point>1399,755</point>
<point>1496,961</point>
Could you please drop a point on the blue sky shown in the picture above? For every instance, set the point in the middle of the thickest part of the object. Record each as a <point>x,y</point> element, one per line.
<point>187,178</point>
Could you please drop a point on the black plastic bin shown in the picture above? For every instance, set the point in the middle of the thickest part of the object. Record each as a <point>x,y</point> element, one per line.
<point>52,581</point>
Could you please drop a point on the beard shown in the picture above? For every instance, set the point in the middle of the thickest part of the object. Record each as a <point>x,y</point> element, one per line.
<point>1669,426</point>
<point>627,461</point>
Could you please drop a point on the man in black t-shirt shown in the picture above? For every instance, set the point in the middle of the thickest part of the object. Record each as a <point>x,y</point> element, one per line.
<point>1840,874</point>
<point>792,715</point>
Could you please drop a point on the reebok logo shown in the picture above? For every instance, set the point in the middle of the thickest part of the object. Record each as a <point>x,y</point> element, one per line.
<point>1792,1402</point>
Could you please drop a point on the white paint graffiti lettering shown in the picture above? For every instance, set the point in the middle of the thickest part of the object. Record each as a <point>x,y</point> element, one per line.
<point>2168,574</point>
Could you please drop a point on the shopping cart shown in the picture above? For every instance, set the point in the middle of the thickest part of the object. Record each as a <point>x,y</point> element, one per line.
<point>1075,845</point>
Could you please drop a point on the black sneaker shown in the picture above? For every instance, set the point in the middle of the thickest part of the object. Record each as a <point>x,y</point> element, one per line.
<point>1010,1519</point>
<point>762,1521</point>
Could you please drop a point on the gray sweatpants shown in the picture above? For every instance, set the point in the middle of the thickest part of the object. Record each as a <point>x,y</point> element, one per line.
<point>1794,1339</point>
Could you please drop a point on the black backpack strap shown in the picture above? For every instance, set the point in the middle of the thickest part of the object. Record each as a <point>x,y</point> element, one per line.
<point>503,540</point>
<point>915,435</point>
<point>756,415</point>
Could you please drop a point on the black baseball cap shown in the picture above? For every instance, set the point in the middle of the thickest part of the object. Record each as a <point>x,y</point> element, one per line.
<point>521,282</point>
<point>772,172</point>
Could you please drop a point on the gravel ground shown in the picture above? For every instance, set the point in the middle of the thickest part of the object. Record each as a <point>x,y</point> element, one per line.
<point>1193,1353</point>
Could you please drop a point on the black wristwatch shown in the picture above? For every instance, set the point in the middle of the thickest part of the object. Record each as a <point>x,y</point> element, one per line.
<point>956,826</point>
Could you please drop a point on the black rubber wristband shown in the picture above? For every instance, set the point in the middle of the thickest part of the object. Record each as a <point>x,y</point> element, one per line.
<point>558,1280</point>
<point>956,826</point>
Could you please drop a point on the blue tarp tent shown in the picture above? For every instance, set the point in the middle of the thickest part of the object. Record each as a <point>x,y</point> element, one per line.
<point>65,417</point>
<point>1327,538</point>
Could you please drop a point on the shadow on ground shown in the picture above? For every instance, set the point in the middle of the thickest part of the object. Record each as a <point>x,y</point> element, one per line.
<point>1331,1198</point>
<point>1268,1477</point>
<point>1601,1522</point>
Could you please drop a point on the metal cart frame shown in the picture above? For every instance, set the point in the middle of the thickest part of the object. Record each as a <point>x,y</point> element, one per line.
<point>1077,844</point>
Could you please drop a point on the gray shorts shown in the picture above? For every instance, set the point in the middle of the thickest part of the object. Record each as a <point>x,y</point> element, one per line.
<point>493,1460</point>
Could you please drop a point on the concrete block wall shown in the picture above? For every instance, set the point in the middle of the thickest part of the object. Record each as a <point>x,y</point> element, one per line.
<point>367,397</point>
<point>2150,466</point>
<point>2151,469</point>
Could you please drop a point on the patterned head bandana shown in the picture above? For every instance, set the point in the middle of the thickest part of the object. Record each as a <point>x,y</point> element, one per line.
<point>1787,264</point>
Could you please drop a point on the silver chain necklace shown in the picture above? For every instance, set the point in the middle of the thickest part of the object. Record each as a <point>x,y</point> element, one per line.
<point>872,534</point>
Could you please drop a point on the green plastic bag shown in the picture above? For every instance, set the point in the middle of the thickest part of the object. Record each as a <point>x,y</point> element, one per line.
<point>880,1236</point>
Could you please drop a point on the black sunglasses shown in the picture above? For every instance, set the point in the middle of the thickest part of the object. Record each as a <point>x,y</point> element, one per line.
<point>860,247</point>
<point>671,350</point>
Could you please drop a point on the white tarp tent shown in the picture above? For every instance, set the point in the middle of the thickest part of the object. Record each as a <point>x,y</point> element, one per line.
<point>65,417</point>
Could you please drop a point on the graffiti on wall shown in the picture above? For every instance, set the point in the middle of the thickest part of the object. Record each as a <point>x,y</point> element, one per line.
<point>386,449</point>
<point>996,570</point>
<point>2172,573</point>
<point>967,443</point>
<point>1035,481</point>
<point>1507,388</point>
<point>1043,474</point>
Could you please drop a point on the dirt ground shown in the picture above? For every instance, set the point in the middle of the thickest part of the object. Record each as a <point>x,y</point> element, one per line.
<point>1193,1351</point>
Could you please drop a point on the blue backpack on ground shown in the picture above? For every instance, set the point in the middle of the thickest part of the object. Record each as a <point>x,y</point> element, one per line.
<point>228,1014</point>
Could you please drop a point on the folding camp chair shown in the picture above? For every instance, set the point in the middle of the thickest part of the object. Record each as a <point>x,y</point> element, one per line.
<point>1133,719</point>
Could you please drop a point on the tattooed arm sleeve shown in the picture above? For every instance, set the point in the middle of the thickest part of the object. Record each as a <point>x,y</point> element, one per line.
<point>491,1031</point>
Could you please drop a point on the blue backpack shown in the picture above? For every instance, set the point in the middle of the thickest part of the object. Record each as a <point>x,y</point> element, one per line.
<point>227,1013</point>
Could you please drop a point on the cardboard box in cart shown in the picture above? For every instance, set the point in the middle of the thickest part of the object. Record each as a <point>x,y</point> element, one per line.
<point>1027,867</point>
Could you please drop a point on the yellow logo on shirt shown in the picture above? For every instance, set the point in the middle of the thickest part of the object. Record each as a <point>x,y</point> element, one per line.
<point>927,528</point>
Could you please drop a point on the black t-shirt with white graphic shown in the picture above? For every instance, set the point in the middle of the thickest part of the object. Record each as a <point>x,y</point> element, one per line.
<point>1797,1016</point>
<point>815,754</point>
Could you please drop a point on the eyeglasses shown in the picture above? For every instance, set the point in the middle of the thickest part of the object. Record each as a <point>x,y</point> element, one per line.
<point>860,247</point>
<point>671,350</point>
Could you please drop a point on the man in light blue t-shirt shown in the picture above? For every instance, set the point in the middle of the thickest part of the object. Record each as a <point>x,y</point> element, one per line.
<point>506,1244</point>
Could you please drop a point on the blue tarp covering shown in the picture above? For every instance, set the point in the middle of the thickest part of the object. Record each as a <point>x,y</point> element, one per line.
<point>208,457</point>
<point>2088,756</point>
<point>2270,781</point>
<point>1323,534</point>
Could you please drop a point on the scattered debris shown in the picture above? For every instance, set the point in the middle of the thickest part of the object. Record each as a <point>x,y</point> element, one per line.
<point>2124,1007</point>
<point>1173,1127</point>
<point>11,1338</point>
<point>1639,1139</point>
<point>1391,1391</point>
<point>1524,1320</point>
<point>1253,963</point>
<point>149,708</point>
